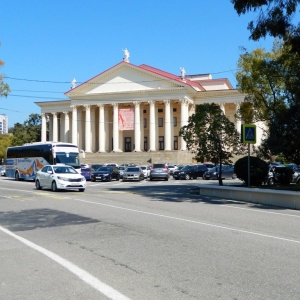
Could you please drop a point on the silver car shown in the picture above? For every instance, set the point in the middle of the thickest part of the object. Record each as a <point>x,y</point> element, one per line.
<point>133,174</point>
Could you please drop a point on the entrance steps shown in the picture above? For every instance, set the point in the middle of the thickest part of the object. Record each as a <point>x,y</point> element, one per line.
<point>144,158</point>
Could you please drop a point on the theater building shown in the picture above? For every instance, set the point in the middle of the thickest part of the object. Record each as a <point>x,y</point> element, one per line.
<point>130,108</point>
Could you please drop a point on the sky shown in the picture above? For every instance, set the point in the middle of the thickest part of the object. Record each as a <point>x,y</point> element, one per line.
<point>46,44</point>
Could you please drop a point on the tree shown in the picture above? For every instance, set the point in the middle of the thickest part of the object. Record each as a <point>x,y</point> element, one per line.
<point>5,141</point>
<point>260,76</point>
<point>211,136</point>
<point>271,81</point>
<point>28,132</point>
<point>275,18</point>
<point>4,88</point>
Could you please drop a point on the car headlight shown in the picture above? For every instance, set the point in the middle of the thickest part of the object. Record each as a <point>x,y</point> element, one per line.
<point>62,178</point>
<point>82,178</point>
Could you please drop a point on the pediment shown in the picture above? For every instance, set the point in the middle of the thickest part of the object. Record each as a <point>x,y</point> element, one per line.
<point>124,78</point>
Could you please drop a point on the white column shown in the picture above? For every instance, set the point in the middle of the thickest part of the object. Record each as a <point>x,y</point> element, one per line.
<point>55,127</point>
<point>238,121</point>
<point>116,128</point>
<point>87,128</point>
<point>184,119</point>
<point>50,127</point>
<point>167,125</point>
<point>44,128</point>
<point>152,126</point>
<point>67,127</point>
<point>137,126</point>
<point>222,106</point>
<point>74,125</point>
<point>101,128</point>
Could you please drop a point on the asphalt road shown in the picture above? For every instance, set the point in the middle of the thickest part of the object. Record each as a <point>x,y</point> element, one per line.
<point>147,240</point>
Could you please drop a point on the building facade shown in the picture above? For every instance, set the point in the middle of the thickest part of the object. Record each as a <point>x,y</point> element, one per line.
<point>130,108</point>
<point>3,124</point>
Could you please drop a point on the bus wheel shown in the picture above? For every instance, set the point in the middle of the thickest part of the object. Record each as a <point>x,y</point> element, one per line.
<point>17,176</point>
<point>53,187</point>
<point>37,185</point>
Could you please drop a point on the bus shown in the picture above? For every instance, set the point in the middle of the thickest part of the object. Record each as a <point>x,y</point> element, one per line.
<point>22,162</point>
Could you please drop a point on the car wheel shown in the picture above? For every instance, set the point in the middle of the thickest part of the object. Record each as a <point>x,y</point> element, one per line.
<point>54,186</point>
<point>166,179</point>
<point>151,179</point>
<point>271,181</point>
<point>234,176</point>
<point>187,177</point>
<point>81,190</point>
<point>37,185</point>
<point>118,178</point>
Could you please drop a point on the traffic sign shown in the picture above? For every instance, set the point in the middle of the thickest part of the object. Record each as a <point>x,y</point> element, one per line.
<point>248,133</point>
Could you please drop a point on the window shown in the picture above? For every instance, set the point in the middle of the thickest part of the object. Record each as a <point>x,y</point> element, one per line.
<point>145,111</point>
<point>174,121</point>
<point>161,141</point>
<point>174,109</point>
<point>175,142</point>
<point>160,110</point>
<point>160,122</point>
<point>145,123</point>
<point>145,144</point>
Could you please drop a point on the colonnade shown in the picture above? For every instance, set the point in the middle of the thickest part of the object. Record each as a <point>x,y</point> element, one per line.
<point>60,129</point>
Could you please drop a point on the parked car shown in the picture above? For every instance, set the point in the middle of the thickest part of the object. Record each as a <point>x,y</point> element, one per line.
<point>121,170</point>
<point>213,173</point>
<point>159,173</point>
<point>190,172</point>
<point>159,166</point>
<point>133,174</point>
<point>59,177</point>
<point>146,171</point>
<point>280,175</point>
<point>2,171</point>
<point>86,172</point>
<point>94,167</point>
<point>111,165</point>
<point>105,174</point>
<point>84,166</point>
<point>172,168</point>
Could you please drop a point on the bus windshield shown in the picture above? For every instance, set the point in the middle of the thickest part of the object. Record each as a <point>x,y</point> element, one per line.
<point>71,159</point>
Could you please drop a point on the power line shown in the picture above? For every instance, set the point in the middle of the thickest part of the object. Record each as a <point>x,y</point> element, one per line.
<point>80,82</point>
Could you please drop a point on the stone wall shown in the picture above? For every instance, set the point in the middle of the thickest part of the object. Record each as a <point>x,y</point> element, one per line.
<point>144,158</point>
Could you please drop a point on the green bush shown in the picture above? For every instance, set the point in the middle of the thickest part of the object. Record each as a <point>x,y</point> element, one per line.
<point>258,170</point>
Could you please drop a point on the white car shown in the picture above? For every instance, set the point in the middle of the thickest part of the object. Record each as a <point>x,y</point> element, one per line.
<point>59,177</point>
<point>146,171</point>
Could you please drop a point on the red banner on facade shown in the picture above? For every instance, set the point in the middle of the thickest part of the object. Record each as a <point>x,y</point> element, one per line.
<point>126,118</point>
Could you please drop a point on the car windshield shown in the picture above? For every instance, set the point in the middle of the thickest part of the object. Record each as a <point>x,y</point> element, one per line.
<point>186,168</point>
<point>133,169</point>
<point>121,168</point>
<point>143,168</point>
<point>64,170</point>
<point>103,169</point>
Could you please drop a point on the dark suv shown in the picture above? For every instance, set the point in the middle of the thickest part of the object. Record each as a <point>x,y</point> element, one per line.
<point>190,172</point>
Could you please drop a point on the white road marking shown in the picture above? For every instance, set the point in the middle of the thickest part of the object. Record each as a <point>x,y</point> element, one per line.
<point>192,221</point>
<point>80,273</point>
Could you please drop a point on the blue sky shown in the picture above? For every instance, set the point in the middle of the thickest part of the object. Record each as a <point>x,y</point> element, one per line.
<point>45,44</point>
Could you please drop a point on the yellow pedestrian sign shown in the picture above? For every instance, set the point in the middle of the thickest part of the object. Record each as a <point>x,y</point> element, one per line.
<point>248,134</point>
